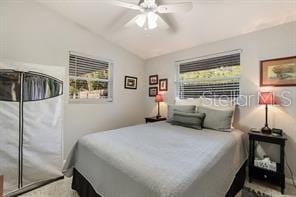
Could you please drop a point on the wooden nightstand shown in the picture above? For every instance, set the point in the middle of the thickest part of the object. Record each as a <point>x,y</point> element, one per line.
<point>154,119</point>
<point>276,178</point>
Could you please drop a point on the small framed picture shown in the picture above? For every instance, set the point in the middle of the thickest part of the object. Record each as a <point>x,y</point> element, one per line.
<point>153,79</point>
<point>163,85</point>
<point>278,72</point>
<point>153,91</point>
<point>130,82</point>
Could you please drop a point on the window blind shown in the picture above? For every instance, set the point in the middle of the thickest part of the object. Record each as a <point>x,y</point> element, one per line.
<point>211,63</point>
<point>79,66</point>
<point>212,78</point>
<point>89,78</point>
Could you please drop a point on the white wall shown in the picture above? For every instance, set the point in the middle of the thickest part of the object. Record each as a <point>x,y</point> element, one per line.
<point>270,43</point>
<point>32,33</point>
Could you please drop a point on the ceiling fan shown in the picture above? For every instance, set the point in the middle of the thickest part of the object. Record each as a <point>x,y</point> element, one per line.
<point>150,12</point>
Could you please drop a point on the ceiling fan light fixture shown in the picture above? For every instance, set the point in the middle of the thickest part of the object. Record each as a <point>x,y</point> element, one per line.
<point>152,20</point>
<point>149,10</point>
<point>141,20</point>
<point>152,25</point>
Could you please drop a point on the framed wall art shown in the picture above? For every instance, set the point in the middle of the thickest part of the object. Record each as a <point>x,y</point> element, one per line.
<point>163,85</point>
<point>153,91</point>
<point>130,82</point>
<point>278,72</point>
<point>153,79</point>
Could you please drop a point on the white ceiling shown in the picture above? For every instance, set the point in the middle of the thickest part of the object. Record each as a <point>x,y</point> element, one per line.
<point>210,20</point>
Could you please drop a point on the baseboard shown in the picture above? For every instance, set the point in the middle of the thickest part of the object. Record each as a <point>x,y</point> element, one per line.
<point>290,181</point>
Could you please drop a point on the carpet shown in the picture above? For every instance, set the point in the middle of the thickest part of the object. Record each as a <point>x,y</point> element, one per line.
<point>62,188</point>
<point>247,192</point>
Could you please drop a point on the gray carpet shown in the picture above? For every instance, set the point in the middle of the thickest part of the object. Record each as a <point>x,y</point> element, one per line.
<point>247,192</point>
<point>62,188</point>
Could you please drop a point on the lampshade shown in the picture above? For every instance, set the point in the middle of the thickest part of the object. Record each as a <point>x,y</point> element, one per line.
<point>158,98</point>
<point>267,98</point>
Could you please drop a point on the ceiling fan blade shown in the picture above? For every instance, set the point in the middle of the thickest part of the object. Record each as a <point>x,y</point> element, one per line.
<point>163,23</point>
<point>172,8</point>
<point>116,25</point>
<point>168,23</point>
<point>123,4</point>
<point>131,22</point>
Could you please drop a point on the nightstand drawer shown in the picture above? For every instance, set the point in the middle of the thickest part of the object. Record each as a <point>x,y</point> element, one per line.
<point>266,175</point>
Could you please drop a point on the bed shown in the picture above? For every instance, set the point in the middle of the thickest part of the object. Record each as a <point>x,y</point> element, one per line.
<point>158,160</point>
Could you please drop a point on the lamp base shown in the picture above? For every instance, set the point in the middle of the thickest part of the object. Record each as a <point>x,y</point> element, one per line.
<point>158,116</point>
<point>266,130</point>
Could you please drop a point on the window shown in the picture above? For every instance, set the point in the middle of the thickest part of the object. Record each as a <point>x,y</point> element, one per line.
<point>216,77</point>
<point>90,79</point>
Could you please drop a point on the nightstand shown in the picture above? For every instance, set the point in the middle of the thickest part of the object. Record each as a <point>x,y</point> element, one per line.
<point>277,177</point>
<point>154,119</point>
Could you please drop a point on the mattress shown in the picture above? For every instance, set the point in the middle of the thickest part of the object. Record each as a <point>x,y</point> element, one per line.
<point>159,160</point>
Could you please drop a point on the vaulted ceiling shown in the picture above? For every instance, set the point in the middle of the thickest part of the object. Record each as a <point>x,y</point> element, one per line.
<point>208,21</point>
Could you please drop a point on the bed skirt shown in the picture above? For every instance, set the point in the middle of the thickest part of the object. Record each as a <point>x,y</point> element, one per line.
<point>238,182</point>
<point>84,188</point>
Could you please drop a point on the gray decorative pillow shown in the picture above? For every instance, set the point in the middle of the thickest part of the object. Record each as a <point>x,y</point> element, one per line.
<point>217,119</point>
<point>181,108</point>
<point>191,120</point>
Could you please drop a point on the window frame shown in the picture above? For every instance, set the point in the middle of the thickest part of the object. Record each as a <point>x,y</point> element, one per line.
<point>109,80</point>
<point>179,62</point>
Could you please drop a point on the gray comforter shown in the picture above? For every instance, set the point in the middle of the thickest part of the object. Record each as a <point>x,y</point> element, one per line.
<point>159,160</point>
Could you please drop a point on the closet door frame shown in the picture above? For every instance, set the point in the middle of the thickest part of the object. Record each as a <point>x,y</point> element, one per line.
<point>21,132</point>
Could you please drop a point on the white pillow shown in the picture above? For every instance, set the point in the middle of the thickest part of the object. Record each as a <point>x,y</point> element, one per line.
<point>215,103</point>
<point>190,101</point>
<point>218,119</point>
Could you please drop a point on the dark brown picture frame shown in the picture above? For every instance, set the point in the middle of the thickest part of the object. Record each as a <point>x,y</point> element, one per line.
<point>166,85</point>
<point>151,80</point>
<point>264,64</point>
<point>127,86</point>
<point>153,88</point>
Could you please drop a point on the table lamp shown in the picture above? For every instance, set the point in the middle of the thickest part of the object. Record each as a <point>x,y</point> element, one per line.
<point>158,99</point>
<point>266,98</point>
